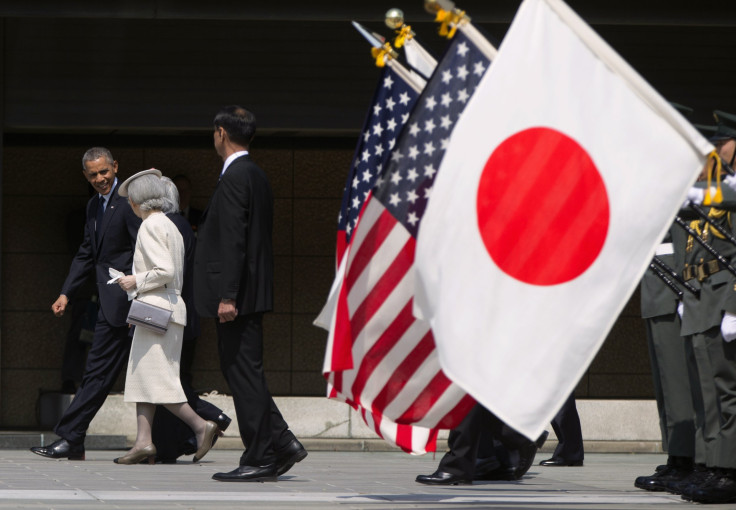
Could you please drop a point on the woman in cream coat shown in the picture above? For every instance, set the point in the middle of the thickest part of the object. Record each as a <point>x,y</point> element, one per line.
<point>153,368</point>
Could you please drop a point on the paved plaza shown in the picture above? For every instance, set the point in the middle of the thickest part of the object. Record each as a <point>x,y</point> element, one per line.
<point>326,479</point>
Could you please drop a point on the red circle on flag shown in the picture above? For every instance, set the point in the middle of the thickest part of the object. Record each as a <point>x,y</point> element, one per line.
<point>543,210</point>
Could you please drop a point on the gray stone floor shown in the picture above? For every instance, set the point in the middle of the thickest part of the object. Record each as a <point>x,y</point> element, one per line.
<point>350,480</point>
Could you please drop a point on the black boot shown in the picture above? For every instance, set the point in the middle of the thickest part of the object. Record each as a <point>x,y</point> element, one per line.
<point>719,489</point>
<point>699,476</point>
<point>676,470</point>
<point>702,481</point>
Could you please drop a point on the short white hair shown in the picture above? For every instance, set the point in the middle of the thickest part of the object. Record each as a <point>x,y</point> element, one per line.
<point>147,192</point>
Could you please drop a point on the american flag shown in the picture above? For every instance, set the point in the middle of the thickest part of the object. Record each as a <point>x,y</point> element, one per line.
<point>392,102</point>
<point>395,372</point>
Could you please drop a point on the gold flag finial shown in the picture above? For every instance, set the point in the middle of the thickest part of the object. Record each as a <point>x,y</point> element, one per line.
<point>395,21</point>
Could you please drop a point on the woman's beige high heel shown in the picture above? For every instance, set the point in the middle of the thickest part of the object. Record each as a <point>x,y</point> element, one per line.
<point>210,432</point>
<point>139,456</point>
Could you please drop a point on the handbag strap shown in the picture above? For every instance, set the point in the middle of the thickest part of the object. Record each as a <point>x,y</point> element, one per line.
<point>168,296</point>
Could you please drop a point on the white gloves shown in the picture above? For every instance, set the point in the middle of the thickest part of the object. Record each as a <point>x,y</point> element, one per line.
<point>730,181</point>
<point>728,327</point>
<point>680,309</point>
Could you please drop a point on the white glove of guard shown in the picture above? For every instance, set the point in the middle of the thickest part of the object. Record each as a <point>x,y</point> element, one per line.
<point>680,309</point>
<point>728,327</point>
<point>730,181</point>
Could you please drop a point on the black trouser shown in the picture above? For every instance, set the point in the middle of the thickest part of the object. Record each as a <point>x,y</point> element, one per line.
<point>566,425</point>
<point>464,440</point>
<point>107,356</point>
<point>262,428</point>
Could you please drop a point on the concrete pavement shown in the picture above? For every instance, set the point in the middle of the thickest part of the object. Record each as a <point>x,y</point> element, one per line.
<point>350,480</point>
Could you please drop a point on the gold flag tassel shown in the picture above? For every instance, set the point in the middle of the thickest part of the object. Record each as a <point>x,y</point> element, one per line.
<point>383,53</point>
<point>448,19</point>
<point>718,198</point>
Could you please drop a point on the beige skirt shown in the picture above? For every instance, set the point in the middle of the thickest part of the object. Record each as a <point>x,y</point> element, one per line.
<point>153,367</point>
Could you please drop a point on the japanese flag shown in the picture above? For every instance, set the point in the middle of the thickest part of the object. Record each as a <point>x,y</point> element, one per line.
<point>561,177</point>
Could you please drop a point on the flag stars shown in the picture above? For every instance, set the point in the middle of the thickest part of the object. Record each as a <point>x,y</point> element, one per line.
<point>396,178</point>
<point>429,171</point>
<point>404,98</point>
<point>412,196</point>
<point>356,182</point>
<point>394,200</point>
<point>462,95</point>
<point>445,122</point>
<point>379,150</point>
<point>446,100</point>
<point>366,155</point>
<point>462,49</point>
<point>427,193</point>
<point>404,118</point>
<point>367,175</point>
<point>390,103</point>
<point>356,202</point>
<point>429,148</point>
<point>413,152</point>
<point>391,124</point>
<point>376,109</point>
<point>388,82</point>
<point>445,142</point>
<point>377,129</point>
<point>431,103</point>
<point>462,72</point>
<point>479,68</point>
<point>429,126</point>
<point>446,76</point>
<point>414,129</point>
<point>396,156</point>
<point>412,219</point>
<point>412,174</point>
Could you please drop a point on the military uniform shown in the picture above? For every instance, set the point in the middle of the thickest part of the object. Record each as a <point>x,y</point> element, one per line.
<point>714,358</point>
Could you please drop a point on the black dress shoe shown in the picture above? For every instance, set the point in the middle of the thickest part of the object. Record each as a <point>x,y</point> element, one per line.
<point>287,457</point>
<point>676,470</point>
<point>527,453</point>
<point>443,478</point>
<point>560,462</point>
<point>223,421</point>
<point>505,473</point>
<point>265,473</point>
<point>61,449</point>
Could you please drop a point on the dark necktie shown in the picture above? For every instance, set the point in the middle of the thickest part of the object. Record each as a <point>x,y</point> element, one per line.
<point>98,220</point>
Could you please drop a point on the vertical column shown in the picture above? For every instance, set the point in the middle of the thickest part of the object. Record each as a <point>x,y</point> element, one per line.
<point>2,149</point>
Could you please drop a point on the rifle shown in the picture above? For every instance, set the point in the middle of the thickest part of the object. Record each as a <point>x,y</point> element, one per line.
<point>664,268</point>
<point>705,245</point>
<point>670,284</point>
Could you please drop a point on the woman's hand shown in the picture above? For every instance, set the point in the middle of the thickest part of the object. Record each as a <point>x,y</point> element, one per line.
<point>127,282</point>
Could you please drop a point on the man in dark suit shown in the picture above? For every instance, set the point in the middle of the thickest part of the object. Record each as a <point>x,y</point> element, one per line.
<point>233,281</point>
<point>110,233</point>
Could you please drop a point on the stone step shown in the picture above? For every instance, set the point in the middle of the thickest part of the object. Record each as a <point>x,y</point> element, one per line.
<point>328,425</point>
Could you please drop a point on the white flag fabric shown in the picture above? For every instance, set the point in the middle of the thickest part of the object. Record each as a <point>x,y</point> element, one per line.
<point>560,179</point>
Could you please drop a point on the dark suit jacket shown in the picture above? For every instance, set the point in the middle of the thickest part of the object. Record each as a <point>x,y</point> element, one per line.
<point>114,248</point>
<point>234,256</point>
<point>192,329</point>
